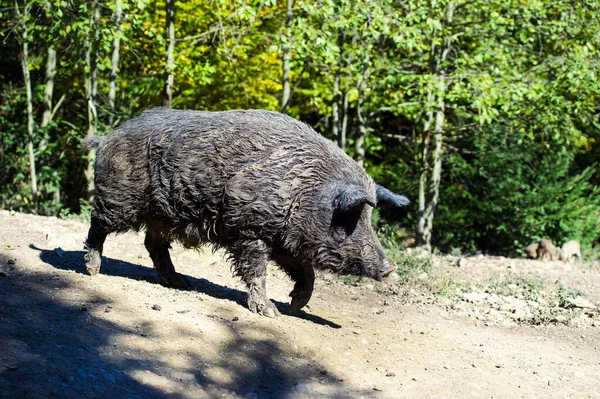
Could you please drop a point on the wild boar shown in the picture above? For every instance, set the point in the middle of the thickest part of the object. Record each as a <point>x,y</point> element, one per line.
<point>531,250</point>
<point>259,184</point>
<point>569,251</point>
<point>546,250</point>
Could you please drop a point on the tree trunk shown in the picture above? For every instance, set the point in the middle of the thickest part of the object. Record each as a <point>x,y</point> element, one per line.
<point>361,115</point>
<point>287,56</point>
<point>344,128</point>
<point>27,81</point>
<point>335,108</point>
<point>90,83</point>
<point>169,78</point>
<point>429,188</point>
<point>49,86</point>
<point>432,185</point>
<point>434,191</point>
<point>116,48</point>
<point>422,235</point>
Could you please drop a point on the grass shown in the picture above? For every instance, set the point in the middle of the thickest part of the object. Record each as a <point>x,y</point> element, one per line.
<point>525,288</point>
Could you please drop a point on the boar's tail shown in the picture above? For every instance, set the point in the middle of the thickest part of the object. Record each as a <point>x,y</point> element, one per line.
<point>385,195</point>
<point>92,142</point>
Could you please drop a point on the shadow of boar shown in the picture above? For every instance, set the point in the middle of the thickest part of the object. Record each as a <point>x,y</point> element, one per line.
<point>259,184</point>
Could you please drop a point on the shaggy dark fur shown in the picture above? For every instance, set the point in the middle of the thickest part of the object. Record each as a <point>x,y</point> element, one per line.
<point>259,184</point>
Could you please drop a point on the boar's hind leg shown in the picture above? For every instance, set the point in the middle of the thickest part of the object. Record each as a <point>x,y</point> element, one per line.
<point>158,247</point>
<point>93,247</point>
<point>250,263</point>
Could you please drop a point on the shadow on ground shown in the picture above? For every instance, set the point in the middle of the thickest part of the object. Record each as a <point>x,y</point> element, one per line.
<point>73,260</point>
<point>58,349</point>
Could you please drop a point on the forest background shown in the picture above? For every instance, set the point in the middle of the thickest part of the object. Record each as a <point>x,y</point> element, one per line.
<point>485,113</point>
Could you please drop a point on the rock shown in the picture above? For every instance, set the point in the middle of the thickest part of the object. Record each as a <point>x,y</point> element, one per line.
<point>158,308</point>
<point>390,374</point>
<point>58,251</point>
<point>235,318</point>
<point>475,297</point>
<point>462,262</point>
<point>580,302</point>
<point>10,261</point>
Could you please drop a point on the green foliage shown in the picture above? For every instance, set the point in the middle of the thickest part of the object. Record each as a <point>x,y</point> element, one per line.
<point>565,295</point>
<point>528,289</point>
<point>504,196</point>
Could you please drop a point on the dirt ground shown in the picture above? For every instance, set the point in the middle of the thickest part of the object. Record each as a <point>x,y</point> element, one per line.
<point>64,334</point>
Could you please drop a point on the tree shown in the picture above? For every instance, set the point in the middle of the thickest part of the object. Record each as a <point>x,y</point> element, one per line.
<point>116,48</point>
<point>90,78</point>
<point>170,53</point>
<point>23,17</point>
<point>287,56</point>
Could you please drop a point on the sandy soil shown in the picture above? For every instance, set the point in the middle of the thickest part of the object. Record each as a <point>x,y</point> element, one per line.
<point>64,334</point>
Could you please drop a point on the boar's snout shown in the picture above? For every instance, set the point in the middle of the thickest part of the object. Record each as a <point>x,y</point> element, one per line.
<point>386,270</point>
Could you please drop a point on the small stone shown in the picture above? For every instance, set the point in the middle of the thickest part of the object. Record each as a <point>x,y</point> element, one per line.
<point>157,307</point>
<point>2,274</point>
<point>59,252</point>
<point>390,374</point>
<point>10,261</point>
<point>462,262</point>
<point>303,388</point>
<point>415,379</point>
<point>107,309</point>
<point>83,309</point>
<point>235,318</point>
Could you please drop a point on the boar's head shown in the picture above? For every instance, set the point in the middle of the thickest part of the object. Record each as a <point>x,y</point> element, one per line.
<point>341,238</point>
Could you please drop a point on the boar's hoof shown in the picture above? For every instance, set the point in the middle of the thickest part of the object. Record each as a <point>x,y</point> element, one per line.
<point>176,280</point>
<point>92,259</point>
<point>299,299</point>
<point>262,306</point>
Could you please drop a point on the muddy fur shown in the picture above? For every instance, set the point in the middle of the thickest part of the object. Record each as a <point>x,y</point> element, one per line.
<point>260,184</point>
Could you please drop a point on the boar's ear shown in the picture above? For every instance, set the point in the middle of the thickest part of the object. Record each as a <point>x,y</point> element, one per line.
<point>385,195</point>
<point>352,197</point>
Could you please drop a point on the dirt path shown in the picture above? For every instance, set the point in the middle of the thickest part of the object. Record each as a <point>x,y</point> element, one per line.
<point>121,334</point>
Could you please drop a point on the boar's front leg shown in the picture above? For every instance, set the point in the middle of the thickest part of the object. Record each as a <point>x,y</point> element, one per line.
<point>93,246</point>
<point>250,263</point>
<point>303,288</point>
<point>158,246</point>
